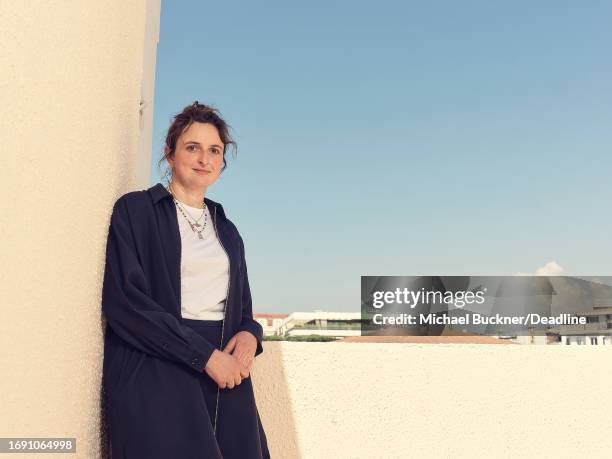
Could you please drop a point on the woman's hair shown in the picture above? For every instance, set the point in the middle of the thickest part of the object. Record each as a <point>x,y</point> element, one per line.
<point>200,113</point>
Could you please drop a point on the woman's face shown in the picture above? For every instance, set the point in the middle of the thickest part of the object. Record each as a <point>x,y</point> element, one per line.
<point>198,156</point>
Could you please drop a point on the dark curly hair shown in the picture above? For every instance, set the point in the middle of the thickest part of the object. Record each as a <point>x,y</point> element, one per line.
<point>200,113</point>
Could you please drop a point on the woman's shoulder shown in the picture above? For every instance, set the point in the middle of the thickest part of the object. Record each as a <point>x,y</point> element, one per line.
<point>133,197</point>
<point>233,232</point>
<point>233,228</point>
<point>229,224</point>
<point>133,203</point>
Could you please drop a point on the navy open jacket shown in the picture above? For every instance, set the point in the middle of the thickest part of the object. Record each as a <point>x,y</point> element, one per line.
<point>141,294</point>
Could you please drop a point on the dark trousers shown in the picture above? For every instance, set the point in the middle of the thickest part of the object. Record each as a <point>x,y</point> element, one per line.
<point>161,409</point>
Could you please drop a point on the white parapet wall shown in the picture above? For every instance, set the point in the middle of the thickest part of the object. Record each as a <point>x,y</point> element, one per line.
<point>382,400</point>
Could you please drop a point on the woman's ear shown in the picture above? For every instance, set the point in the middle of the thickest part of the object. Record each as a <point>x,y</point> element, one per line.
<point>166,153</point>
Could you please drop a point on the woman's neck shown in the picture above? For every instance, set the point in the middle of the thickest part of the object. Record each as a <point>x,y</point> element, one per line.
<point>191,197</point>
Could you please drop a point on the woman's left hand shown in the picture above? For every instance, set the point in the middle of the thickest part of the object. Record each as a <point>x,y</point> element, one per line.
<point>243,346</point>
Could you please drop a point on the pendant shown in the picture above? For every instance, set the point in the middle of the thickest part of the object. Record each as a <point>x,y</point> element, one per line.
<point>200,235</point>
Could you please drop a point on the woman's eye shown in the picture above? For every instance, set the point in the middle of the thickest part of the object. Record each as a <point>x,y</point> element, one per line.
<point>216,152</point>
<point>191,147</point>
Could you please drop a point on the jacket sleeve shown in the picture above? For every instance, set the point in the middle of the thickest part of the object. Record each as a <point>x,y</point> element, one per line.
<point>130,310</point>
<point>248,323</point>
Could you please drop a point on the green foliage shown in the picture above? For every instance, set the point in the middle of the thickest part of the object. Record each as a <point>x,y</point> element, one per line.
<point>318,338</point>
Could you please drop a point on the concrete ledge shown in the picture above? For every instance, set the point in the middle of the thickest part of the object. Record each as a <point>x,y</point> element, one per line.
<point>364,400</point>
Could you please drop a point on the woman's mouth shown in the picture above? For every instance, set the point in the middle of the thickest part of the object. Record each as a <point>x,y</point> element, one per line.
<point>201,171</point>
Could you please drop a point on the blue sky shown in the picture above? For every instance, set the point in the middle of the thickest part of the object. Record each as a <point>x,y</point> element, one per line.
<point>400,138</point>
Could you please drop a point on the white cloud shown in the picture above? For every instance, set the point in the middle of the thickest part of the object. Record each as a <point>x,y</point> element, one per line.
<point>552,268</point>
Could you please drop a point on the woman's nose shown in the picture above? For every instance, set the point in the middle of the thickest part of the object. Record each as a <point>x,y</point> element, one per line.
<point>204,157</point>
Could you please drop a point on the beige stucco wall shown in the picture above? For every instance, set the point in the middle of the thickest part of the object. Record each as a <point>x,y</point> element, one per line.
<point>369,400</point>
<point>73,140</point>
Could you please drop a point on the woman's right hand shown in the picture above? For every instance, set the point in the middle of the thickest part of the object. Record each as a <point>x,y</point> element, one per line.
<point>225,369</point>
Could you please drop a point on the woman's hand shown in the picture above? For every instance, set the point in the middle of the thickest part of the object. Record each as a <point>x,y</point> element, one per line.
<point>243,346</point>
<point>230,367</point>
<point>225,369</point>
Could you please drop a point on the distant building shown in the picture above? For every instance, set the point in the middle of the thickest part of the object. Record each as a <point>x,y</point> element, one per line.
<point>270,322</point>
<point>548,338</point>
<point>336,324</point>
<point>597,330</point>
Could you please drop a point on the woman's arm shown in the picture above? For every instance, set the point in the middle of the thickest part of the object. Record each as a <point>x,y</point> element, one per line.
<point>132,313</point>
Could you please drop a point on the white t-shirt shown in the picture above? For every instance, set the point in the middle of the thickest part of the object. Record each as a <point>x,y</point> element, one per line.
<point>204,268</point>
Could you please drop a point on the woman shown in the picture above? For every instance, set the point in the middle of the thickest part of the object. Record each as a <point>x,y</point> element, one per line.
<point>181,339</point>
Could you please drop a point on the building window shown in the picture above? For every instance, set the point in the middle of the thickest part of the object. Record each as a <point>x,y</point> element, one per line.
<point>593,339</point>
<point>567,340</point>
<point>580,340</point>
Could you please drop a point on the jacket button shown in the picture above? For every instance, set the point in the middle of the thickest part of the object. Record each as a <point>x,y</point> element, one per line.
<point>195,361</point>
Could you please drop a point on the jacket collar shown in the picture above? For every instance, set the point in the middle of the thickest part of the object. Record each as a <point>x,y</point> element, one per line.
<point>159,192</point>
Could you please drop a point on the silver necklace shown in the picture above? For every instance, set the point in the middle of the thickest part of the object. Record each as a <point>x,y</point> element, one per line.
<point>195,226</point>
